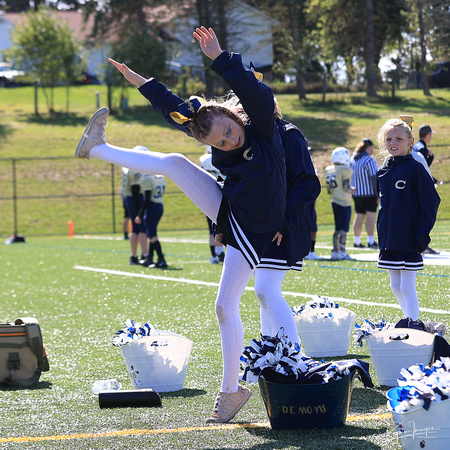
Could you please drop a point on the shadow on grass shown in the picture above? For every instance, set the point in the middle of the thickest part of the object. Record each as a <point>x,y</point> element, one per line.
<point>344,357</point>
<point>145,115</point>
<point>366,400</point>
<point>39,385</point>
<point>320,131</point>
<point>188,393</point>
<point>169,268</point>
<point>4,131</point>
<point>57,119</point>
<point>344,437</point>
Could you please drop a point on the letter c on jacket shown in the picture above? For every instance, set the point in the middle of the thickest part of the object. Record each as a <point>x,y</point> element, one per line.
<point>400,184</point>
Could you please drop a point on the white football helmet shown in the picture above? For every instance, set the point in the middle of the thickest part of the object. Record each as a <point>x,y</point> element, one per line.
<point>341,155</point>
<point>141,148</point>
<point>205,162</point>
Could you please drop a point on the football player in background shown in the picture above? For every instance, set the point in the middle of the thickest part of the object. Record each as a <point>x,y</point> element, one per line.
<point>338,179</point>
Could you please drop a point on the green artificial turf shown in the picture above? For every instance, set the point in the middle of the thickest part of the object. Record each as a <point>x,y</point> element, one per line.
<point>80,310</point>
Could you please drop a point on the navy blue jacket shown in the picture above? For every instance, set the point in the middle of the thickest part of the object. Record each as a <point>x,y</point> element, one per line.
<point>255,182</point>
<point>303,188</point>
<point>408,205</point>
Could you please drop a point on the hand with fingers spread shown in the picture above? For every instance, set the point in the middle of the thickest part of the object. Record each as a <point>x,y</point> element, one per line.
<point>208,42</point>
<point>130,75</point>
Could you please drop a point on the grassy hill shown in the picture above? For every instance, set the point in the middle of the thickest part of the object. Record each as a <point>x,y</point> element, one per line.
<point>51,191</point>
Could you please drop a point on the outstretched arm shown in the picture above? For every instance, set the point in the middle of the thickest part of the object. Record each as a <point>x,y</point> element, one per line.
<point>208,42</point>
<point>130,75</point>
<point>161,98</point>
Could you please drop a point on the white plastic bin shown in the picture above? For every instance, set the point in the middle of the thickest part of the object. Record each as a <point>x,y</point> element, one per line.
<point>329,336</point>
<point>397,348</point>
<point>423,429</point>
<point>158,362</point>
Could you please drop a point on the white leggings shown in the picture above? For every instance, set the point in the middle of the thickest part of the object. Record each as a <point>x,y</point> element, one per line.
<point>275,310</point>
<point>403,285</point>
<point>203,191</point>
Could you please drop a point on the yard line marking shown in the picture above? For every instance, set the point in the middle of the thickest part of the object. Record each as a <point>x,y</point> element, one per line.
<point>142,275</point>
<point>137,431</point>
<point>360,418</point>
<point>248,288</point>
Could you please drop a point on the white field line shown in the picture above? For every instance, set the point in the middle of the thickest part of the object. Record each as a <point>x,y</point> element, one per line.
<point>212,284</point>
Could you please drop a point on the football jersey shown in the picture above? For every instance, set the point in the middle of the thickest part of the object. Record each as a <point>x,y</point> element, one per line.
<point>132,178</point>
<point>156,184</point>
<point>338,179</point>
<point>123,179</point>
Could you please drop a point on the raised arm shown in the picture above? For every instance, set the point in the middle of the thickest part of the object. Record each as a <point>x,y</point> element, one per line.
<point>255,96</point>
<point>209,43</point>
<point>161,98</point>
<point>130,75</point>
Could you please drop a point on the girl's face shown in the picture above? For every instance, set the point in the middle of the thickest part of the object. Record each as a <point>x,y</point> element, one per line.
<point>226,134</point>
<point>397,141</point>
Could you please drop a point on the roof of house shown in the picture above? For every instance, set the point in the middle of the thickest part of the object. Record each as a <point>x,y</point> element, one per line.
<point>74,20</point>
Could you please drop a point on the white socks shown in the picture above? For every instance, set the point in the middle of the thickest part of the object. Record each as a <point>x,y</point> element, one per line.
<point>236,274</point>
<point>403,285</point>
<point>275,310</point>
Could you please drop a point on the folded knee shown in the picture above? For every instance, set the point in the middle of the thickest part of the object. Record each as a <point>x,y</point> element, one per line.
<point>220,313</point>
<point>262,298</point>
<point>226,313</point>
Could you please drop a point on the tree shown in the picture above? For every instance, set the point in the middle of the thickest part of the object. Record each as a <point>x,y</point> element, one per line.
<point>346,32</point>
<point>46,50</point>
<point>142,52</point>
<point>423,50</point>
<point>133,40</point>
<point>370,51</point>
<point>213,14</point>
<point>437,19</point>
<point>294,50</point>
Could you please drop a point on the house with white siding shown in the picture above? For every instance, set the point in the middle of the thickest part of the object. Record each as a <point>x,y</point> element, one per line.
<point>249,33</point>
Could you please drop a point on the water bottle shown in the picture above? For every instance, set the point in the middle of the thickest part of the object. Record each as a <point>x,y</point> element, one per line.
<point>105,385</point>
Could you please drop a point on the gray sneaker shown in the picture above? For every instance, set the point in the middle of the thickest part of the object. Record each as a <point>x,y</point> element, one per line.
<point>94,133</point>
<point>228,405</point>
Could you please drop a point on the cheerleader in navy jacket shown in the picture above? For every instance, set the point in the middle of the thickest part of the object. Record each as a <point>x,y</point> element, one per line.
<point>408,208</point>
<point>303,187</point>
<point>249,210</point>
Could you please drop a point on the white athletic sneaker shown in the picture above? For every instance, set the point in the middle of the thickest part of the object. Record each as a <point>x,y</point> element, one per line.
<point>345,256</point>
<point>313,257</point>
<point>94,133</point>
<point>335,255</point>
<point>214,260</point>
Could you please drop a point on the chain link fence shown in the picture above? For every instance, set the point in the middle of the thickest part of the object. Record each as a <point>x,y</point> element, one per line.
<point>40,196</point>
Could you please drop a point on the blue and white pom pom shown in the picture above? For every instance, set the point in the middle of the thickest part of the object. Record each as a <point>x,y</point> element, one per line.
<point>132,332</point>
<point>423,386</point>
<point>316,303</point>
<point>280,355</point>
<point>367,328</point>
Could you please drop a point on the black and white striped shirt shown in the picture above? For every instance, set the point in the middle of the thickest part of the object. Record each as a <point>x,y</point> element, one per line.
<point>364,177</point>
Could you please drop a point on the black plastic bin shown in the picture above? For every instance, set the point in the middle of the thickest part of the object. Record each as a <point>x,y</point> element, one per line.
<point>292,406</point>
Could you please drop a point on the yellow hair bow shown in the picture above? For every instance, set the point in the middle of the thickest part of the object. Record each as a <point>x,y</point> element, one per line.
<point>258,75</point>
<point>408,119</point>
<point>187,110</point>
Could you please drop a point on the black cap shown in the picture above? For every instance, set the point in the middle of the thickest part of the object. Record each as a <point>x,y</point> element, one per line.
<point>368,141</point>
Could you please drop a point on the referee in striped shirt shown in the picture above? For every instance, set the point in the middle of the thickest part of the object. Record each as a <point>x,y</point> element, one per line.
<point>366,193</point>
